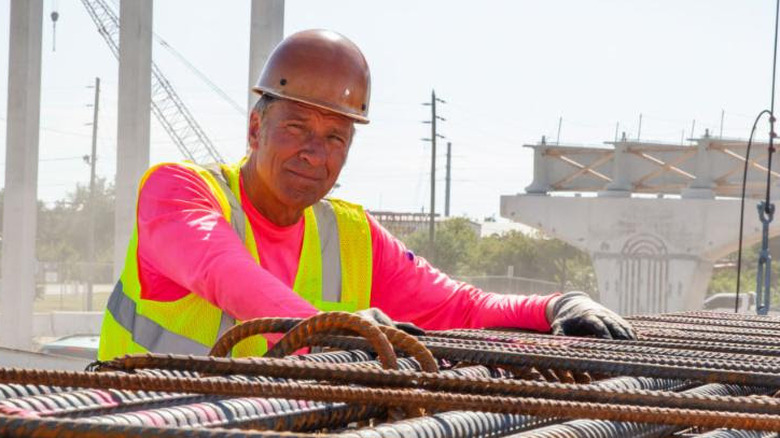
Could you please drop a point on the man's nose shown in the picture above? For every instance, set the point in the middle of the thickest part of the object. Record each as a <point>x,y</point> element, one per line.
<point>314,150</point>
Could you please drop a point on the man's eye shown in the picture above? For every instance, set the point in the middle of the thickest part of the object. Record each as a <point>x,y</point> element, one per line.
<point>296,128</point>
<point>337,139</point>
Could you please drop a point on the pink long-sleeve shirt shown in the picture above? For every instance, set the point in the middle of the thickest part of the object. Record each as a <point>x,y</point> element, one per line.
<point>185,244</point>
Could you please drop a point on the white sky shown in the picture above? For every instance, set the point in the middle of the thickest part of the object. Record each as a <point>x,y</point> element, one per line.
<point>508,70</point>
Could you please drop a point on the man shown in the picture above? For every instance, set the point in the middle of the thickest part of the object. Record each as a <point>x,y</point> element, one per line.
<point>258,239</point>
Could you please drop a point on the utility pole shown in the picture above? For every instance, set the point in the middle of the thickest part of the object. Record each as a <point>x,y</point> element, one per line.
<point>722,116</point>
<point>91,218</point>
<point>449,180</point>
<point>639,130</point>
<point>434,135</point>
<point>558,138</point>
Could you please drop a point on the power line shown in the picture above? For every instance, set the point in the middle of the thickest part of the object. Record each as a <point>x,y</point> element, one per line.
<point>202,76</point>
<point>214,87</point>
<point>80,157</point>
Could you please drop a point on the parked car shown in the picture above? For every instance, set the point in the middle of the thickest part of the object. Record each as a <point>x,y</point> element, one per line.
<point>80,346</point>
<point>725,301</point>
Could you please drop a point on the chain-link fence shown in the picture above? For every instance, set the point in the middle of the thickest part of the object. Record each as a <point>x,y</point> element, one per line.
<point>512,285</point>
<point>65,286</point>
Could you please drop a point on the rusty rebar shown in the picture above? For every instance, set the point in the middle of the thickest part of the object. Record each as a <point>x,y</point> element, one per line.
<point>467,424</point>
<point>586,428</point>
<point>736,347</point>
<point>92,401</point>
<point>304,333</point>
<point>277,414</point>
<point>606,362</point>
<point>67,428</point>
<point>301,336</point>
<point>627,347</point>
<point>346,374</point>
<point>693,326</point>
<point>708,321</point>
<point>404,398</point>
<point>709,314</point>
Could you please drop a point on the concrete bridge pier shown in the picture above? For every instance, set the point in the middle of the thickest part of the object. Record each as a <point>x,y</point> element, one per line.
<point>650,254</point>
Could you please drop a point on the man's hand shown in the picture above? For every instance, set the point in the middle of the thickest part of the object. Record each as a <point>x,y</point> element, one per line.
<point>379,317</point>
<point>575,314</point>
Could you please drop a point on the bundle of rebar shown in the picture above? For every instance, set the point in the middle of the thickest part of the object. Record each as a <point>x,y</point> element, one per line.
<point>688,374</point>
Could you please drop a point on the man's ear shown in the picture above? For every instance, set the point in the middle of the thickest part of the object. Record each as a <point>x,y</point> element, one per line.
<point>254,130</point>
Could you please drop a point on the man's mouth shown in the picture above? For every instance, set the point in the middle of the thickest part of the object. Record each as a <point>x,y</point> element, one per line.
<point>305,175</point>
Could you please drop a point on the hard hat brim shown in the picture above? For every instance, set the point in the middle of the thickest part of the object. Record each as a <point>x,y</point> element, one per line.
<point>358,118</point>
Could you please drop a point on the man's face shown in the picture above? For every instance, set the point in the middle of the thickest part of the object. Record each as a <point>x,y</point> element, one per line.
<point>298,151</point>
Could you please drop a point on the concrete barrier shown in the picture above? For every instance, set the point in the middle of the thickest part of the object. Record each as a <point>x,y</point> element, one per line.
<point>57,324</point>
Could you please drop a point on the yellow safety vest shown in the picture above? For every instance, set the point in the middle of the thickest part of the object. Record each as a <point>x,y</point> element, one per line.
<point>334,273</point>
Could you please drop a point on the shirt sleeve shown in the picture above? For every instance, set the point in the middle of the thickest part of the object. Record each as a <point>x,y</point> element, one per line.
<point>439,302</point>
<point>185,244</point>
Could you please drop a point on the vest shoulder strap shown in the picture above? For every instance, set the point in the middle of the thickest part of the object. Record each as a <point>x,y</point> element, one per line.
<point>237,215</point>
<point>355,252</point>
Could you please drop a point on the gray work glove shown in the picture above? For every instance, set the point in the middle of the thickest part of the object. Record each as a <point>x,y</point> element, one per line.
<point>575,314</point>
<point>379,317</point>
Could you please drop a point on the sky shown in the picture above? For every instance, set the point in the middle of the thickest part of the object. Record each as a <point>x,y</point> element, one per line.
<point>508,70</point>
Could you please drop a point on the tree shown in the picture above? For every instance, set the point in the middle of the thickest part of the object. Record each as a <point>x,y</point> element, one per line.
<point>62,234</point>
<point>724,279</point>
<point>535,257</point>
<point>455,241</point>
<point>461,252</point>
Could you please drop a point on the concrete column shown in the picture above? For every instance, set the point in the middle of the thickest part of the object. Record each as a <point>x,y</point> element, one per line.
<point>701,187</point>
<point>266,31</point>
<point>541,183</point>
<point>135,85</point>
<point>21,174</point>
<point>621,186</point>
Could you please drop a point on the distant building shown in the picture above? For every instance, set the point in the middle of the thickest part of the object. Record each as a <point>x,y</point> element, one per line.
<point>404,223</point>
<point>491,227</point>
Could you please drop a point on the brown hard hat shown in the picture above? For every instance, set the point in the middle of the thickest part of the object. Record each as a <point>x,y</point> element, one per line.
<point>319,68</point>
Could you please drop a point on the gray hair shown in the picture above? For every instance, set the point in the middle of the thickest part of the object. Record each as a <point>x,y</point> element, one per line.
<point>262,104</point>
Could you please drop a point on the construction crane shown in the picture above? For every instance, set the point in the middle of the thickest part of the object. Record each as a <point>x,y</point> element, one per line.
<point>167,106</point>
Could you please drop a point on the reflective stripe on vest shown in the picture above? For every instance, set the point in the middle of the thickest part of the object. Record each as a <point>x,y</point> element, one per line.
<point>330,248</point>
<point>153,336</point>
<point>237,215</point>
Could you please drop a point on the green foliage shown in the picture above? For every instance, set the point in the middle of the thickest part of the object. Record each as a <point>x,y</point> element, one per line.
<point>62,229</point>
<point>724,277</point>
<point>455,241</point>
<point>459,251</point>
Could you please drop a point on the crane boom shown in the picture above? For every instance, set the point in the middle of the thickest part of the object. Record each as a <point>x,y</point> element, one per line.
<point>166,104</point>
